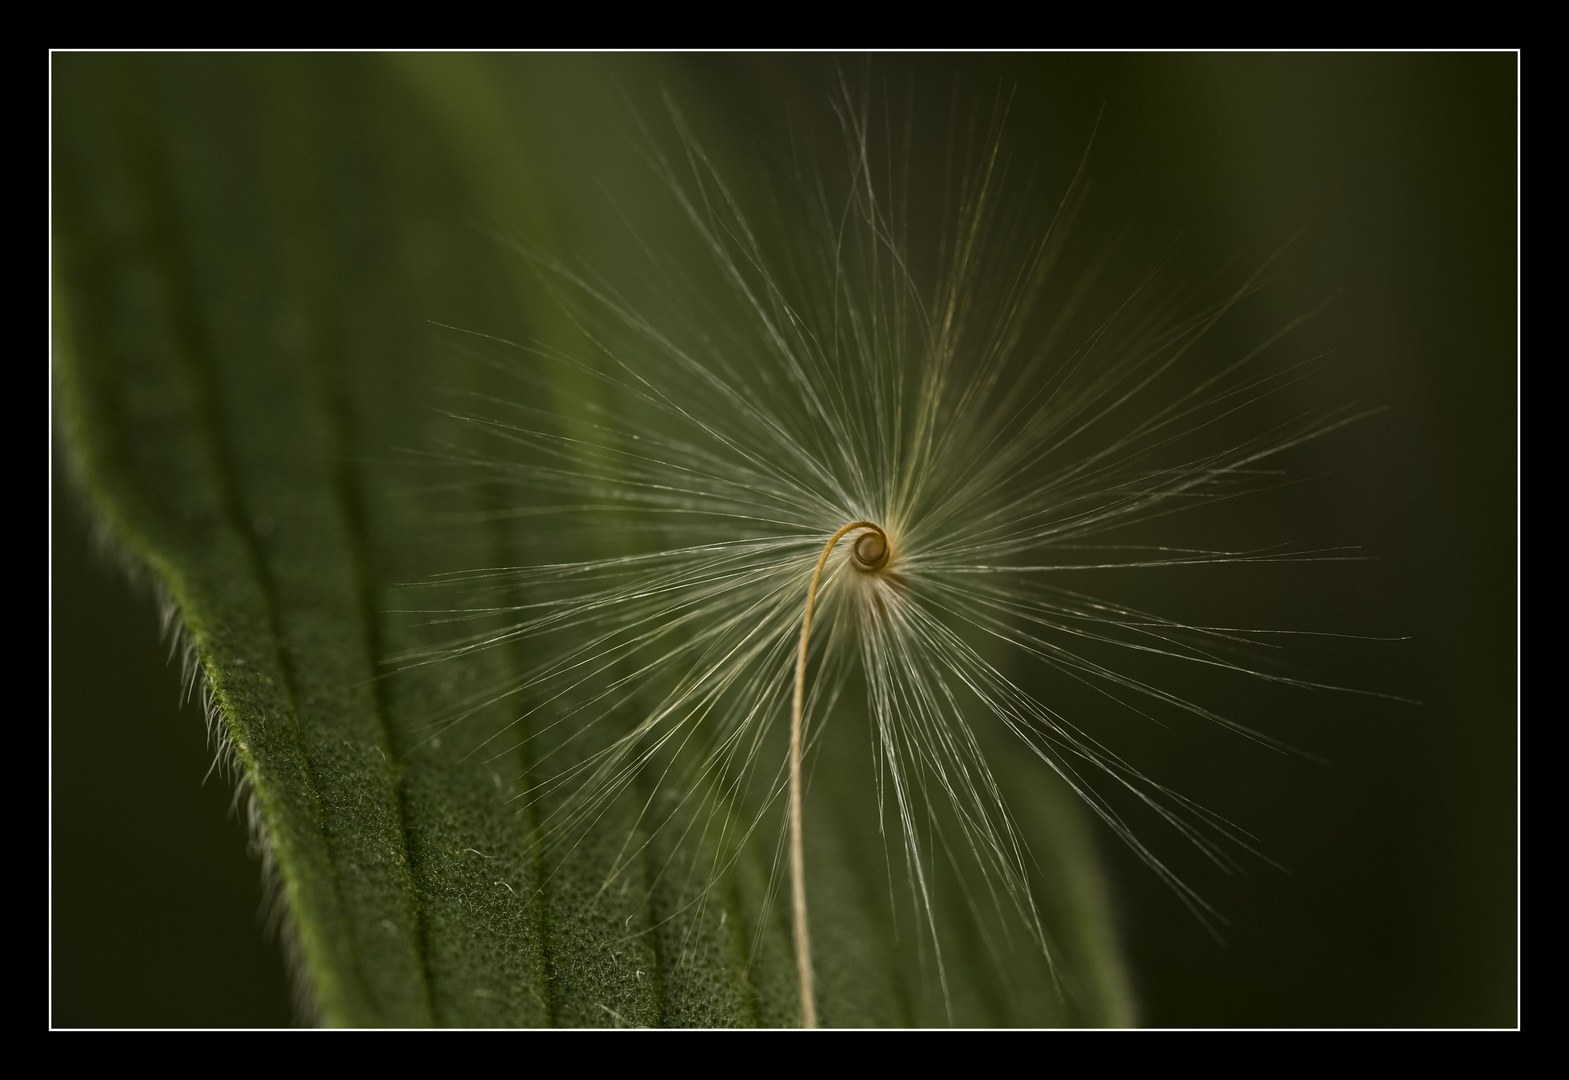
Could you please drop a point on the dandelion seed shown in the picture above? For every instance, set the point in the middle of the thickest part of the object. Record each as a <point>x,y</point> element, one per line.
<point>827,470</point>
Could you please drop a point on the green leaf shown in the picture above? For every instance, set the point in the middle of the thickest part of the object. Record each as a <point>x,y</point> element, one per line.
<point>249,253</point>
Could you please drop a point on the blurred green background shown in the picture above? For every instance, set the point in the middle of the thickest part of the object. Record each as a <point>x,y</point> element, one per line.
<point>1397,173</point>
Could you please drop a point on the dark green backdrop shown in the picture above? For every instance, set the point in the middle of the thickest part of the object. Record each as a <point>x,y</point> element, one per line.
<point>1399,172</point>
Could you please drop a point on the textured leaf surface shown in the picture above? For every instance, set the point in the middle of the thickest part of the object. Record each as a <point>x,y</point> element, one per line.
<point>249,253</point>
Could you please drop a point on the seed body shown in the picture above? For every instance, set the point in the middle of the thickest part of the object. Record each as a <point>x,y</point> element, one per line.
<point>870,551</point>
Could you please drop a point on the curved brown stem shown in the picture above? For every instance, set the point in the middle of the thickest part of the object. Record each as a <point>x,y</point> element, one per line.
<point>868,556</point>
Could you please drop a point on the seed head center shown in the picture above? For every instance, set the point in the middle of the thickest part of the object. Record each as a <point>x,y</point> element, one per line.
<point>870,550</point>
